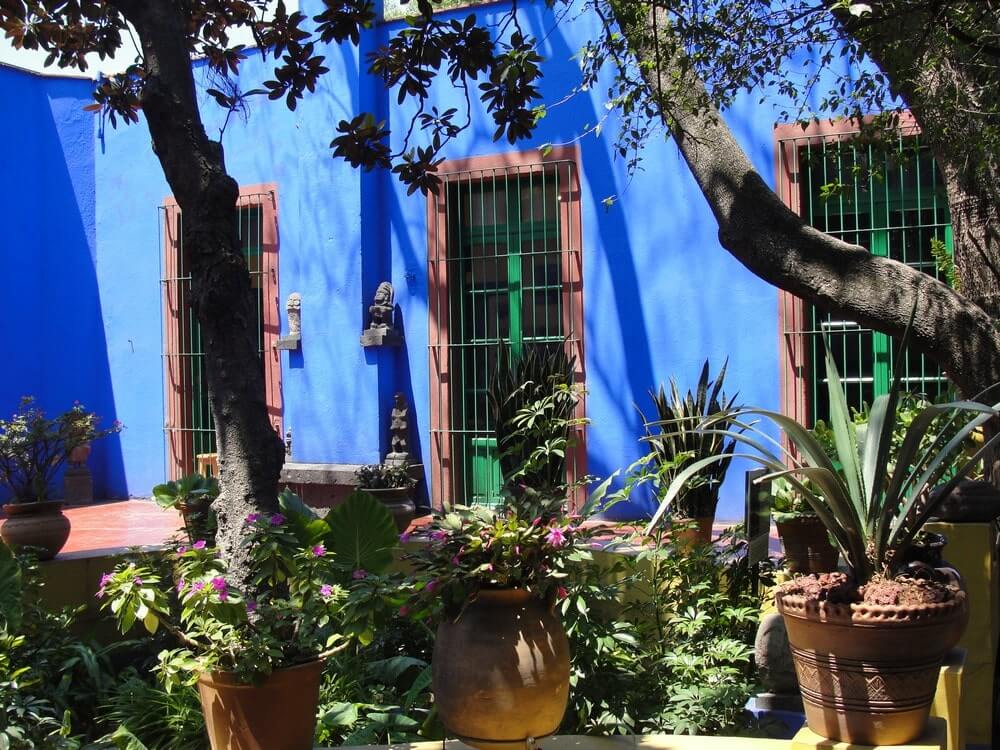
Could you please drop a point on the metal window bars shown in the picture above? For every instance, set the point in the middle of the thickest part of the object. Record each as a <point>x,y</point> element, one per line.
<point>888,198</point>
<point>505,269</point>
<point>188,423</point>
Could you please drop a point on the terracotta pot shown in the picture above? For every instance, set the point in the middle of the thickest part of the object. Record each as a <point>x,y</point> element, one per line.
<point>700,534</point>
<point>807,545</point>
<point>868,673</point>
<point>79,454</point>
<point>41,525</point>
<point>398,501</point>
<point>278,714</point>
<point>501,672</point>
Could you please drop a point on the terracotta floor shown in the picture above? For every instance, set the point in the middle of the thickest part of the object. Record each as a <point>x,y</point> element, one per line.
<point>116,524</point>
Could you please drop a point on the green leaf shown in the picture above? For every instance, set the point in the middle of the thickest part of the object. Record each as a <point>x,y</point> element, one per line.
<point>11,606</point>
<point>341,715</point>
<point>845,438</point>
<point>362,533</point>
<point>388,671</point>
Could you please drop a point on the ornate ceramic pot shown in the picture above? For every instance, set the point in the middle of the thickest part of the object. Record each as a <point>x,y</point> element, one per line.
<point>868,672</point>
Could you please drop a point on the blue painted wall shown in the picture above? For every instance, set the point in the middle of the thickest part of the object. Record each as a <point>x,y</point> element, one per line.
<point>52,306</point>
<point>660,296</point>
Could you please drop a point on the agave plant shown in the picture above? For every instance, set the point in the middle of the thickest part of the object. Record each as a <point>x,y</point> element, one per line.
<point>681,415</point>
<point>871,505</point>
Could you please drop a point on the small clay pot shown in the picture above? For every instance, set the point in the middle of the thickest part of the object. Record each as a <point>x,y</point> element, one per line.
<point>40,525</point>
<point>868,672</point>
<point>701,533</point>
<point>278,714</point>
<point>501,671</point>
<point>79,454</point>
<point>807,545</point>
<point>398,501</point>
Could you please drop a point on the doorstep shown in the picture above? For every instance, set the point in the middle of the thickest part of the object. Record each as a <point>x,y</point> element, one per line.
<point>622,742</point>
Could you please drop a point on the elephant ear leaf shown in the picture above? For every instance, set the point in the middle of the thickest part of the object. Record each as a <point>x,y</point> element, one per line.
<point>10,590</point>
<point>362,533</point>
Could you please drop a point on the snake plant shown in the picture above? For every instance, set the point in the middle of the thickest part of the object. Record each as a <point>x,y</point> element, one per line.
<point>873,504</point>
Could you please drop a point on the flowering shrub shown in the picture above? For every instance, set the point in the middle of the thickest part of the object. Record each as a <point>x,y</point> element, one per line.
<point>304,610</point>
<point>34,447</point>
<point>472,548</point>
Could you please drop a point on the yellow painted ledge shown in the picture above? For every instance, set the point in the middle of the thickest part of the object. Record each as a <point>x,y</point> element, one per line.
<point>625,742</point>
<point>934,738</point>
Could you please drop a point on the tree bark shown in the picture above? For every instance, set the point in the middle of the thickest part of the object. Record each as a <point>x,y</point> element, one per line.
<point>779,247</point>
<point>250,451</point>
<point>948,84</point>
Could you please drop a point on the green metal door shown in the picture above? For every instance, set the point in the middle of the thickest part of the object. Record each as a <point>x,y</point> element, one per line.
<point>890,200</point>
<point>506,289</point>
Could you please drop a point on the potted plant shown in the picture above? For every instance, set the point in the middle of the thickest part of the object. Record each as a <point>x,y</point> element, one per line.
<point>494,575</point>
<point>676,442</point>
<point>257,662</point>
<point>804,539</point>
<point>191,496</point>
<point>393,486</point>
<point>867,644</point>
<point>32,450</point>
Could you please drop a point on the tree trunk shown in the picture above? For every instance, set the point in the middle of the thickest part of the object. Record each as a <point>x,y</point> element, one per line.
<point>779,247</point>
<point>250,451</point>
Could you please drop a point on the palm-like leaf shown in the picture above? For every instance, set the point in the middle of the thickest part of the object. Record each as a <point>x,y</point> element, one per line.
<point>362,533</point>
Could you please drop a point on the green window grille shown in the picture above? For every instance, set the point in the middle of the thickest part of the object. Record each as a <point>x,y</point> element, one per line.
<point>188,422</point>
<point>508,251</point>
<point>889,199</point>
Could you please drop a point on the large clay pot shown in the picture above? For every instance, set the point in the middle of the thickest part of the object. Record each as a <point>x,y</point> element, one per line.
<point>868,673</point>
<point>40,525</point>
<point>278,714</point>
<point>398,501</point>
<point>501,671</point>
<point>807,545</point>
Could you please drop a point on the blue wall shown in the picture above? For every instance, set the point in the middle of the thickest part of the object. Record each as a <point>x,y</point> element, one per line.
<point>660,297</point>
<point>51,307</point>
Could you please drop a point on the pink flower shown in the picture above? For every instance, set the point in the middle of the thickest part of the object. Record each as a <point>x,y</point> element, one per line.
<point>137,581</point>
<point>219,583</point>
<point>197,585</point>
<point>431,585</point>
<point>358,574</point>
<point>200,544</point>
<point>253,518</point>
<point>555,537</point>
<point>180,585</point>
<point>277,519</point>
<point>319,550</point>
<point>537,521</point>
<point>181,550</point>
<point>404,537</point>
<point>251,607</point>
<point>105,580</point>
<point>404,611</point>
<point>455,560</point>
<point>326,590</point>
<point>561,592</point>
<point>439,535</point>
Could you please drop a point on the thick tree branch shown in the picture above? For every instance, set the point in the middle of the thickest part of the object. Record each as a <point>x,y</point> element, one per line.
<point>779,247</point>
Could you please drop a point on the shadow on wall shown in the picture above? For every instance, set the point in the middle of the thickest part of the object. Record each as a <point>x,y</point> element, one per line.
<point>55,242</point>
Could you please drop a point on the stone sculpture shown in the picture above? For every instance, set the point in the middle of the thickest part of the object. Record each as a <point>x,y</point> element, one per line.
<point>399,432</point>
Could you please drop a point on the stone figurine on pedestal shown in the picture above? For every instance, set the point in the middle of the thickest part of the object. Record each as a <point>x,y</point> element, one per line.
<point>293,310</point>
<point>381,331</point>
<point>399,433</point>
